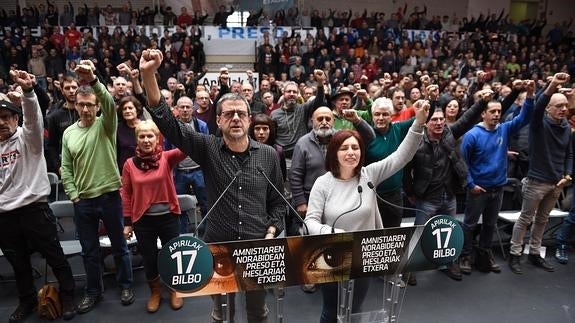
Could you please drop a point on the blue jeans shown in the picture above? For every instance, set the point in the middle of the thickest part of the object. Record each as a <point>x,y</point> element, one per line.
<point>539,198</point>
<point>488,204</point>
<point>427,208</point>
<point>567,229</point>
<point>329,292</point>
<point>183,180</point>
<point>88,213</point>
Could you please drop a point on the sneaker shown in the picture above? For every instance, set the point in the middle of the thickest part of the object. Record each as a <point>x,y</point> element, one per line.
<point>515,264</point>
<point>465,264</point>
<point>561,254</point>
<point>23,311</point>
<point>88,302</point>
<point>453,271</point>
<point>127,296</point>
<point>540,262</point>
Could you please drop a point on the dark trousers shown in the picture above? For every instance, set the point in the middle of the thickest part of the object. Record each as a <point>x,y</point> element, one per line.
<point>148,229</point>
<point>329,292</point>
<point>391,215</point>
<point>486,204</point>
<point>33,228</point>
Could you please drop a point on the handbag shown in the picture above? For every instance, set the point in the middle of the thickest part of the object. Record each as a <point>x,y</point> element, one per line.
<point>49,304</point>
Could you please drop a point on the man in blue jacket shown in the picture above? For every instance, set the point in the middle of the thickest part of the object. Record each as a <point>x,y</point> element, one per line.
<point>484,149</point>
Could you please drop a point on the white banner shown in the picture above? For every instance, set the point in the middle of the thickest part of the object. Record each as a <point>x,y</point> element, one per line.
<point>212,78</point>
<point>252,33</point>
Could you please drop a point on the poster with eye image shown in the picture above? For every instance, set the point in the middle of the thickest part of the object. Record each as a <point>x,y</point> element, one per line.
<point>191,269</point>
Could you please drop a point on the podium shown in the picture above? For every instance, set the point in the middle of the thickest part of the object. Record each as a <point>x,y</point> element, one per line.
<point>388,309</point>
<point>350,262</point>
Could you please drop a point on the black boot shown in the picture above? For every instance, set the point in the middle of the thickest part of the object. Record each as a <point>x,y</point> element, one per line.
<point>24,309</point>
<point>515,264</point>
<point>68,305</point>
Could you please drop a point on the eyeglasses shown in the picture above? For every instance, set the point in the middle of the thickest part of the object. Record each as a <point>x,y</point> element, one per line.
<point>88,105</point>
<point>323,118</point>
<point>231,113</point>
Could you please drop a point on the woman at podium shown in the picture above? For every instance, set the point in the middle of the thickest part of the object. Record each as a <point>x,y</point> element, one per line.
<point>344,199</point>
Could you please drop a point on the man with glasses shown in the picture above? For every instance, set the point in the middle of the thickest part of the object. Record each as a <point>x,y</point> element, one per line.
<point>250,209</point>
<point>438,168</point>
<point>550,169</point>
<point>91,179</point>
<point>268,101</point>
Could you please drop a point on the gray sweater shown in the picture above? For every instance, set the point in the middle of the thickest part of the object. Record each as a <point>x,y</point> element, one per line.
<point>23,175</point>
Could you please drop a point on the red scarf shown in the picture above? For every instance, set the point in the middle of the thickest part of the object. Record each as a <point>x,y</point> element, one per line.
<point>147,161</point>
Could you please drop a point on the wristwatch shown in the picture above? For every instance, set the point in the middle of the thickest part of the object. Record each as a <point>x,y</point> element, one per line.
<point>568,178</point>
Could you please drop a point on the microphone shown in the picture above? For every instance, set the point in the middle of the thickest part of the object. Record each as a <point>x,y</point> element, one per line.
<point>218,200</point>
<point>261,170</point>
<point>372,187</point>
<point>359,190</point>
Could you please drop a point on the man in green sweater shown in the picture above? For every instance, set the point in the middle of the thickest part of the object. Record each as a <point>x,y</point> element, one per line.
<point>92,181</point>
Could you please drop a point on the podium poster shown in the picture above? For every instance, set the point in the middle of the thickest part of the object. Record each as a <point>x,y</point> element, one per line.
<point>193,268</point>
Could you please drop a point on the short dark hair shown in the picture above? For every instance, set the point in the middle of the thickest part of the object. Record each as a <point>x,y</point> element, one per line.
<point>231,97</point>
<point>86,90</point>
<point>264,119</point>
<point>331,162</point>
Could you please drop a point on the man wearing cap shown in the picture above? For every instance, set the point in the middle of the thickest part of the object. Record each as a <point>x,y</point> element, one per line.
<point>25,217</point>
<point>292,118</point>
<point>342,110</point>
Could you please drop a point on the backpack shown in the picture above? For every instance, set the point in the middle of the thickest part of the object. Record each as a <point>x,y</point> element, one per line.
<point>49,305</point>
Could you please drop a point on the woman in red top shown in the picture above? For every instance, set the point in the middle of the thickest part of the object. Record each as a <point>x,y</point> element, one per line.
<point>150,203</point>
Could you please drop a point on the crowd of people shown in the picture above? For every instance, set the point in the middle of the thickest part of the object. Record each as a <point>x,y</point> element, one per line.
<point>438,123</point>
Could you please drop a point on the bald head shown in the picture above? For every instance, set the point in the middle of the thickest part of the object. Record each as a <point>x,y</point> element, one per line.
<point>322,120</point>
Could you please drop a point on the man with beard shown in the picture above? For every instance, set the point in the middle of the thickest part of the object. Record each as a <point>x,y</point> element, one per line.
<point>62,117</point>
<point>308,161</point>
<point>401,111</point>
<point>292,118</point>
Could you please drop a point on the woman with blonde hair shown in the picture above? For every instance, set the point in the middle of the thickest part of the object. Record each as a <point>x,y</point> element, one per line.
<point>150,203</point>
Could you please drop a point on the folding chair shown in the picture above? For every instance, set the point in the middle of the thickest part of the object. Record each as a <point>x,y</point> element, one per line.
<point>55,183</point>
<point>188,205</point>
<point>64,213</point>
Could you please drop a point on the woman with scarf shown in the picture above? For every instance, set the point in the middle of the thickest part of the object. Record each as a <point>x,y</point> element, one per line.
<point>150,203</point>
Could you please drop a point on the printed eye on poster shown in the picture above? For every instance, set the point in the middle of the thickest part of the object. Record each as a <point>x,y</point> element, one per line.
<point>193,268</point>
